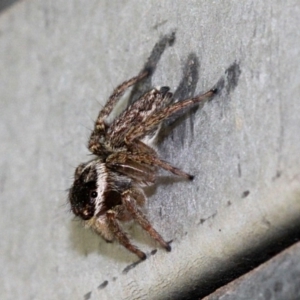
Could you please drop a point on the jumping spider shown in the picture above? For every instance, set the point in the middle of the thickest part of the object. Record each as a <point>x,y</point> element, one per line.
<point>108,188</point>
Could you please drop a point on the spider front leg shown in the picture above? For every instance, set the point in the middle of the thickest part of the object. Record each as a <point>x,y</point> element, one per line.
<point>100,126</point>
<point>131,206</point>
<point>120,235</point>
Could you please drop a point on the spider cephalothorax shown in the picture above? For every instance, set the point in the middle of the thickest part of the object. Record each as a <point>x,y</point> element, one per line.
<point>108,189</point>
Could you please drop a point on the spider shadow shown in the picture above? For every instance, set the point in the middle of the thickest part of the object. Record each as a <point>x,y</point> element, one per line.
<point>177,124</point>
<point>86,241</point>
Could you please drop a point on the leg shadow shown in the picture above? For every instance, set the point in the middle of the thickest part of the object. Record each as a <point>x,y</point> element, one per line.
<point>178,123</point>
<point>142,87</point>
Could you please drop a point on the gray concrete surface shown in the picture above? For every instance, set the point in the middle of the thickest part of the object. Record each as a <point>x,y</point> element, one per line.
<point>60,60</point>
<point>278,278</point>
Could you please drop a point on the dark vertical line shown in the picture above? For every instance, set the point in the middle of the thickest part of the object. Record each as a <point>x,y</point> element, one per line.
<point>6,3</point>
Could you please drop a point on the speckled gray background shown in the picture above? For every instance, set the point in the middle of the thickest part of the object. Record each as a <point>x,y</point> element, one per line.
<point>60,60</point>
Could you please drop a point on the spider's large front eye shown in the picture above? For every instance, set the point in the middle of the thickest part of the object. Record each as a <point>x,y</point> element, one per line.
<point>93,194</point>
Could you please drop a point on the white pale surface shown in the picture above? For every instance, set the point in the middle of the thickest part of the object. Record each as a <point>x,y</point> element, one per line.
<point>60,60</point>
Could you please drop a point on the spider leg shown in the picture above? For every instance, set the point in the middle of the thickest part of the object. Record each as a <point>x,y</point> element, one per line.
<point>117,94</point>
<point>127,158</point>
<point>140,173</point>
<point>138,132</point>
<point>120,235</point>
<point>135,114</point>
<point>168,167</point>
<point>100,127</point>
<point>130,204</point>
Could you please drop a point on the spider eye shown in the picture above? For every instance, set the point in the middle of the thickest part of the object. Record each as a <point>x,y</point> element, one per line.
<point>94,194</point>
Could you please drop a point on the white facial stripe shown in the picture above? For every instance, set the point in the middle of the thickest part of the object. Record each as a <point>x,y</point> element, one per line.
<point>102,184</point>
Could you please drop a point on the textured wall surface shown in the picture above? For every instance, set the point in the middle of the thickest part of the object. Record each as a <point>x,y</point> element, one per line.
<point>59,62</point>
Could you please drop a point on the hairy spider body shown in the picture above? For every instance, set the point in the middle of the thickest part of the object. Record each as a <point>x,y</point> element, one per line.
<point>108,189</point>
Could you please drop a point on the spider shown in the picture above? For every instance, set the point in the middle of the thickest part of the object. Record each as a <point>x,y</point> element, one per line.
<point>109,188</point>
